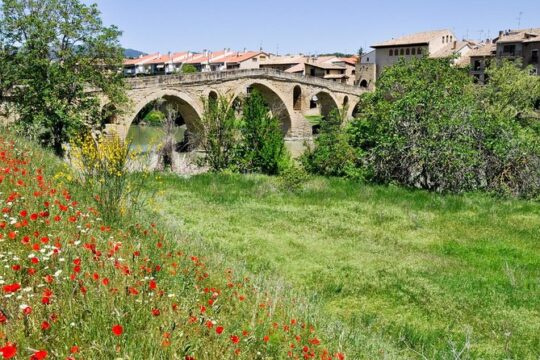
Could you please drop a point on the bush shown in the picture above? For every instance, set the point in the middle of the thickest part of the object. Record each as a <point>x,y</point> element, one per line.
<point>154,118</point>
<point>262,148</point>
<point>332,154</point>
<point>293,179</point>
<point>219,134</point>
<point>103,166</point>
<point>188,69</point>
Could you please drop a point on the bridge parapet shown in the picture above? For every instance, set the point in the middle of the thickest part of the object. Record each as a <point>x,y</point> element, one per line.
<point>220,76</point>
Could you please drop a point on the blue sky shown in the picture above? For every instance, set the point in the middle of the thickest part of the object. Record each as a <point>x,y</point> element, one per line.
<point>307,26</point>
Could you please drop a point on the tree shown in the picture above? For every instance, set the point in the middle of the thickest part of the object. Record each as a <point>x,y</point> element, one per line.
<point>166,152</point>
<point>218,133</point>
<point>59,55</point>
<point>188,69</point>
<point>428,126</point>
<point>332,154</point>
<point>262,148</point>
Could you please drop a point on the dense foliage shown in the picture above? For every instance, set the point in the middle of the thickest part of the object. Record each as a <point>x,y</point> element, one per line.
<point>262,147</point>
<point>188,69</point>
<point>332,154</point>
<point>218,133</point>
<point>251,142</point>
<point>53,53</point>
<point>428,126</point>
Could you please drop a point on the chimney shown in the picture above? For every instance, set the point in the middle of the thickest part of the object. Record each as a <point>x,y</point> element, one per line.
<point>245,50</point>
<point>501,33</point>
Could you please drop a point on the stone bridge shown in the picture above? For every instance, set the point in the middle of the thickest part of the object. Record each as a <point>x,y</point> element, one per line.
<point>290,97</point>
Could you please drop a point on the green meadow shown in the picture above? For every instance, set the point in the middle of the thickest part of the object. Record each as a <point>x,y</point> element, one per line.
<point>406,273</point>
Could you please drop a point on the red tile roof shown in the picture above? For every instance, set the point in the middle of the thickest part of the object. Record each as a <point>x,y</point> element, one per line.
<point>141,60</point>
<point>241,56</point>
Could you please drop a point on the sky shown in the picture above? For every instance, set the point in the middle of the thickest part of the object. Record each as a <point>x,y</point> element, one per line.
<point>304,26</point>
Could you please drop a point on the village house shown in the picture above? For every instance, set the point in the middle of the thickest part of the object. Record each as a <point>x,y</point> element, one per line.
<point>241,60</point>
<point>140,65</point>
<point>435,44</point>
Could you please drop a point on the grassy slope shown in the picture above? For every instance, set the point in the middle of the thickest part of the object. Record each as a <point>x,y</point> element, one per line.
<point>428,271</point>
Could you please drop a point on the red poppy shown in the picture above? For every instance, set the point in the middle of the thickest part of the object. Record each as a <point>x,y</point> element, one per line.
<point>219,330</point>
<point>39,355</point>
<point>74,349</point>
<point>266,338</point>
<point>27,310</point>
<point>235,339</point>
<point>45,325</point>
<point>156,312</point>
<point>117,330</point>
<point>315,341</point>
<point>8,351</point>
<point>11,288</point>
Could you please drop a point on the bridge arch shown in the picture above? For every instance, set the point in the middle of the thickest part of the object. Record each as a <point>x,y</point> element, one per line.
<point>213,96</point>
<point>355,111</point>
<point>272,97</point>
<point>325,102</point>
<point>188,108</point>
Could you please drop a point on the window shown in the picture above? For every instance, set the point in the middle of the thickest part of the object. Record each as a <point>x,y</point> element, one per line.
<point>408,51</point>
<point>534,57</point>
<point>254,59</point>
<point>263,57</point>
<point>401,52</point>
<point>477,65</point>
<point>447,38</point>
<point>419,51</point>
<point>413,51</point>
<point>443,39</point>
<point>390,53</point>
<point>509,49</point>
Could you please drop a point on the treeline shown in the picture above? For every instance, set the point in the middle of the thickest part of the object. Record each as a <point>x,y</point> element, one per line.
<point>427,125</point>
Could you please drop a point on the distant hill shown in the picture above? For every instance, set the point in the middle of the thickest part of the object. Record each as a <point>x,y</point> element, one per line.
<point>132,53</point>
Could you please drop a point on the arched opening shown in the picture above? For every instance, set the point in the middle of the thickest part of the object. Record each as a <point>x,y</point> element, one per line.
<point>297,98</point>
<point>345,101</point>
<point>213,96</point>
<point>275,104</point>
<point>364,84</point>
<point>162,118</point>
<point>356,111</point>
<point>326,104</point>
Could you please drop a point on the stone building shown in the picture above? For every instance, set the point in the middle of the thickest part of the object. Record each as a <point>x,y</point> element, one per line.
<point>435,44</point>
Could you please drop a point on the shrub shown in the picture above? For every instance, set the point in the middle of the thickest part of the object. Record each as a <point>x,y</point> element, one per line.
<point>219,134</point>
<point>155,118</point>
<point>103,166</point>
<point>332,155</point>
<point>189,69</point>
<point>293,179</point>
<point>262,148</point>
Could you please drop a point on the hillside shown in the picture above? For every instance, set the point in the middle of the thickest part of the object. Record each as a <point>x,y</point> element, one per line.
<point>78,288</point>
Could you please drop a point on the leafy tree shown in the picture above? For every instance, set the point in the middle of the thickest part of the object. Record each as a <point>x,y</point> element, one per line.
<point>155,118</point>
<point>262,147</point>
<point>428,126</point>
<point>332,154</point>
<point>58,52</point>
<point>218,133</point>
<point>188,69</point>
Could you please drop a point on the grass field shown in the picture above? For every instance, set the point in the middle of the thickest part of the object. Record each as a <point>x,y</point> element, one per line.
<point>412,274</point>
